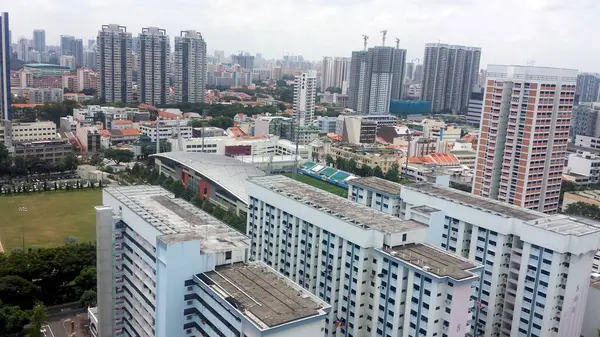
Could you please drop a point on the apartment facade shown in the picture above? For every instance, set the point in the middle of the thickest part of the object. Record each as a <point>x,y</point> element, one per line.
<point>588,85</point>
<point>537,267</point>
<point>373,268</point>
<point>154,58</point>
<point>53,151</point>
<point>449,75</point>
<point>115,64</point>
<point>5,105</point>
<point>28,132</point>
<point>524,135</point>
<point>305,94</point>
<point>190,67</point>
<point>585,121</point>
<point>334,73</point>
<point>166,268</point>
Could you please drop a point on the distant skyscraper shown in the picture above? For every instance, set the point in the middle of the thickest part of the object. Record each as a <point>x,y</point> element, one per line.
<point>523,135</point>
<point>90,59</point>
<point>305,94</point>
<point>90,44</point>
<point>376,77</point>
<point>219,56</point>
<point>449,75</point>
<point>190,67</point>
<point>258,61</point>
<point>326,73</point>
<point>334,72</point>
<point>154,57</point>
<point>23,49</point>
<point>245,61</point>
<point>410,69</point>
<point>77,50</point>
<point>588,85</point>
<point>66,44</point>
<point>114,64</point>
<point>5,112</point>
<point>39,40</point>
<point>418,74</point>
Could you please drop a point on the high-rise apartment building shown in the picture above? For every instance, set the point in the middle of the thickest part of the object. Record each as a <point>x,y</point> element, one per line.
<point>418,73</point>
<point>154,56</point>
<point>245,61</point>
<point>372,268</point>
<point>585,120</point>
<point>66,44</point>
<point>23,49</point>
<point>334,72</point>
<point>219,56</point>
<point>166,268</point>
<point>90,59</point>
<point>523,135</point>
<point>190,67</point>
<point>449,75</point>
<point>376,77</point>
<point>305,94</point>
<point>39,40</point>
<point>326,73</point>
<point>536,267</point>
<point>588,86</point>
<point>114,64</point>
<point>5,105</point>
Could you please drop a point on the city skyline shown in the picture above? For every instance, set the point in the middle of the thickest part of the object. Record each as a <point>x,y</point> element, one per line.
<point>318,30</point>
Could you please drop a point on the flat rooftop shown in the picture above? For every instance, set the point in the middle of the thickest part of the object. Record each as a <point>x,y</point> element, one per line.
<point>425,209</point>
<point>341,208</point>
<point>178,220</point>
<point>566,225</point>
<point>434,261</point>
<point>474,201</point>
<point>264,296</point>
<point>383,185</point>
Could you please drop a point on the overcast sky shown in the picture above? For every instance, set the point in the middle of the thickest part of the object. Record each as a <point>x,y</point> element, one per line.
<point>558,33</point>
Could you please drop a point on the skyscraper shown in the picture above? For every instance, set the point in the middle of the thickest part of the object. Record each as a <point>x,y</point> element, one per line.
<point>90,59</point>
<point>523,135</point>
<point>376,76</point>
<point>219,56</point>
<point>418,73</point>
<point>190,67</point>
<point>588,85</point>
<point>449,75</point>
<point>245,61</point>
<point>154,56</point>
<point>39,40</point>
<point>334,72</point>
<point>66,44</point>
<point>326,73</point>
<point>23,49</point>
<point>5,106</point>
<point>77,50</point>
<point>114,64</point>
<point>305,93</point>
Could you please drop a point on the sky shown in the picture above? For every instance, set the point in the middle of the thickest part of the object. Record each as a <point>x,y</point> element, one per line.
<point>556,33</point>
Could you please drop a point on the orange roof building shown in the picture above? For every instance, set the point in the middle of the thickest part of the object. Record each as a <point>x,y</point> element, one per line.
<point>443,159</point>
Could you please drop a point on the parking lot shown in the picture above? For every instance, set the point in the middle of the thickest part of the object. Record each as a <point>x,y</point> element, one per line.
<point>71,326</point>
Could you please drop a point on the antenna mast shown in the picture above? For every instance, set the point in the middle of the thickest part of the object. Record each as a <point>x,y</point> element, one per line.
<point>366,38</point>
<point>397,43</point>
<point>384,33</point>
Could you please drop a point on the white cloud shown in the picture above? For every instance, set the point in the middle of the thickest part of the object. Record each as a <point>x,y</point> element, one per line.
<point>551,32</point>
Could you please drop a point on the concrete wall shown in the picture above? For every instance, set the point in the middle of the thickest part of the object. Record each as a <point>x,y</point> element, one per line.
<point>104,266</point>
<point>591,320</point>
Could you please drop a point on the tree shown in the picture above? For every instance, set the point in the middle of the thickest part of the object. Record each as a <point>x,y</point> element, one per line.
<point>583,209</point>
<point>118,155</point>
<point>178,188</point>
<point>70,162</point>
<point>89,297</point>
<point>393,174</point>
<point>221,122</point>
<point>16,290</point>
<point>38,318</point>
<point>365,171</point>
<point>351,166</point>
<point>341,163</point>
<point>12,319</point>
<point>195,123</point>
<point>197,201</point>
<point>377,172</point>
<point>329,160</point>
<point>96,159</point>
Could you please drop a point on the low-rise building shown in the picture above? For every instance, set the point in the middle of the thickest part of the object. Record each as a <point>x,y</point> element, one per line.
<point>583,168</point>
<point>52,151</point>
<point>88,138</point>
<point>28,132</point>
<point>167,129</point>
<point>370,156</point>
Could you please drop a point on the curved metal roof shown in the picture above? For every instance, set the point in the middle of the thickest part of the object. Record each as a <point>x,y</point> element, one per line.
<point>227,172</point>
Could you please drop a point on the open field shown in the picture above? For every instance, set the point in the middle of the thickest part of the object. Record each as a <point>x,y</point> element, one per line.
<point>320,184</point>
<point>50,218</point>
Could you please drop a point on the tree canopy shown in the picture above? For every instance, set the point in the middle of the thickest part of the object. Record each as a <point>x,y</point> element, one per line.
<point>118,155</point>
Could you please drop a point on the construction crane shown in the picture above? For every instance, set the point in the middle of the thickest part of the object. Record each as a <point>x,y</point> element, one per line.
<point>397,43</point>
<point>384,33</point>
<point>366,38</point>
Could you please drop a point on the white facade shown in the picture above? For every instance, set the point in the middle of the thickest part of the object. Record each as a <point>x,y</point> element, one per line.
<point>536,267</point>
<point>591,324</point>
<point>589,142</point>
<point>586,164</point>
<point>166,268</point>
<point>115,64</point>
<point>190,67</point>
<point>371,267</point>
<point>153,83</point>
<point>305,94</point>
<point>167,129</point>
<point>260,147</point>
<point>68,61</point>
<point>27,132</point>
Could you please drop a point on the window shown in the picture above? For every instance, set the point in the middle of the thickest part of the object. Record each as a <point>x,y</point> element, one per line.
<point>228,255</point>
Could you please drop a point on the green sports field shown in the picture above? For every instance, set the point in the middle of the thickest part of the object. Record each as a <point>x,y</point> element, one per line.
<point>50,218</point>
<point>320,184</point>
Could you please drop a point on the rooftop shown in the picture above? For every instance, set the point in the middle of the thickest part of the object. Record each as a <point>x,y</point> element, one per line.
<point>383,185</point>
<point>341,208</point>
<point>227,172</point>
<point>265,297</point>
<point>176,219</point>
<point>566,225</point>
<point>590,194</point>
<point>433,260</point>
<point>425,209</point>
<point>471,200</point>
<point>45,66</point>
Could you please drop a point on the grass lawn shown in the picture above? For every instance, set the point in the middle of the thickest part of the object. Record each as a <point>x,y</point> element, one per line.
<point>50,218</point>
<point>320,184</point>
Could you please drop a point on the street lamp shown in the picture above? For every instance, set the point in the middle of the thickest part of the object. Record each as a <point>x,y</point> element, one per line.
<point>23,209</point>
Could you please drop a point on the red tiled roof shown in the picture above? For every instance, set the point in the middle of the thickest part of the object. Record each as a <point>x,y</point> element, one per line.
<point>123,122</point>
<point>130,132</point>
<point>435,158</point>
<point>20,105</point>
